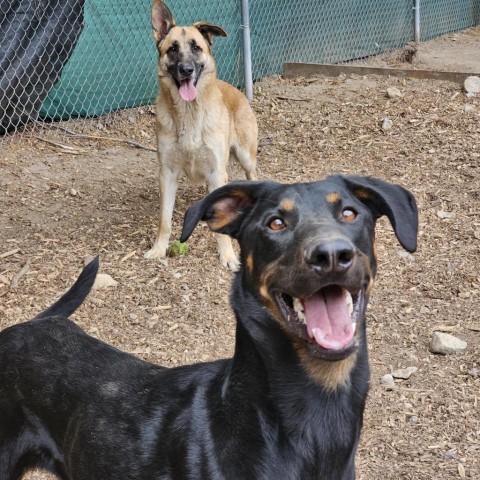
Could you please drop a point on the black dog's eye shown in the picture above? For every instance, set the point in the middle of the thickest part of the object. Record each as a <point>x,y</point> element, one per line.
<point>349,214</point>
<point>277,224</point>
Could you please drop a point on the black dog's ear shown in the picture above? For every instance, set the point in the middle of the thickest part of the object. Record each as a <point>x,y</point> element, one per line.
<point>225,208</point>
<point>397,203</point>
<point>208,30</point>
<point>162,20</point>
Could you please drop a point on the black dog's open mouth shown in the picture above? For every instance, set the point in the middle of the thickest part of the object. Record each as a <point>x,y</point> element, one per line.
<point>326,320</point>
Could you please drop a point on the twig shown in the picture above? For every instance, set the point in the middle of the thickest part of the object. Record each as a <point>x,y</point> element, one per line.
<point>71,150</point>
<point>19,275</point>
<point>10,252</point>
<point>127,256</point>
<point>113,139</point>
<point>293,99</point>
<point>133,143</point>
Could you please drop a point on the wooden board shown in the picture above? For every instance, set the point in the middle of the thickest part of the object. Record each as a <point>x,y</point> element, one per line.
<point>291,70</point>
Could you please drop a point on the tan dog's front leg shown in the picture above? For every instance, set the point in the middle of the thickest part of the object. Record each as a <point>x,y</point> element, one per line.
<point>168,190</point>
<point>228,257</point>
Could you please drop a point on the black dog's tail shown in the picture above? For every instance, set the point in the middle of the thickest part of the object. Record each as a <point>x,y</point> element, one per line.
<point>71,300</point>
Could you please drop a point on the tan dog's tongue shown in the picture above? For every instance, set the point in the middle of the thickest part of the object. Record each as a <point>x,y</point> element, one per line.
<point>328,320</point>
<point>187,90</point>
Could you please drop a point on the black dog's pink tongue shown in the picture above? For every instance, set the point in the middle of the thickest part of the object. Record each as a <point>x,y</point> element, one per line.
<point>187,90</point>
<point>328,319</point>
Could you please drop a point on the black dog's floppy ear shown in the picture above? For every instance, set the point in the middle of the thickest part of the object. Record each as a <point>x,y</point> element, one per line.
<point>225,208</point>
<point>162,20</point>
<point>208,30</point>
<point>397,203</point>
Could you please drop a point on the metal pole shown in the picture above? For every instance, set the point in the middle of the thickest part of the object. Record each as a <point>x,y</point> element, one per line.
<point>417,21</point>
<point>247,51</point>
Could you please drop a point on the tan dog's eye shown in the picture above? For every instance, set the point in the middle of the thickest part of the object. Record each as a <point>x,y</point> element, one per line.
<point>172,48</point>
<point>277,224</point>
<point>349,214</point>
<point>196,48</point>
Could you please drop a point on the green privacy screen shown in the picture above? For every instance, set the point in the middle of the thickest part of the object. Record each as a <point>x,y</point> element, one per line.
<point>113,65</point>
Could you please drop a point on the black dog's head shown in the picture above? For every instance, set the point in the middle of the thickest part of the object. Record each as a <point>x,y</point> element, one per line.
<point>308,251</point>
<point>185,56</point>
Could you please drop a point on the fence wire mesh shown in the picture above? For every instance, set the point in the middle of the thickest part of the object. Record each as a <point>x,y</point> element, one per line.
<point>66,59</point>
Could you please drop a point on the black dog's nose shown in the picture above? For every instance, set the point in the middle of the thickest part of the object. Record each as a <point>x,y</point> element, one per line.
<point>185,69</point>
<point>331,256</point>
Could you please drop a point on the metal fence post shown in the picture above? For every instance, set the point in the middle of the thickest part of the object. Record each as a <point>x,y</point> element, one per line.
<point>417,21</point>
<point>247,50</point>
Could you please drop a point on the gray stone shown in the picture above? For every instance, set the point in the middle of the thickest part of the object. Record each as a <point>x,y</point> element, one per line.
<point>387,124</point>
<point>404,373</point>
<point>446,344</point>
<point>388,381</point>
<point>472,84</point>
<point>394,92</point>
<point>104,280</point>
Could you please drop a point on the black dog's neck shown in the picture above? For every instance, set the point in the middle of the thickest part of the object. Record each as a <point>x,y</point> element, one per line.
<point>265,381</point>
<point>266,355</point>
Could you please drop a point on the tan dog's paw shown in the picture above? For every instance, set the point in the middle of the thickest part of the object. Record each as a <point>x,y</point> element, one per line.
<point>232,263</point>
<point>157,251</point>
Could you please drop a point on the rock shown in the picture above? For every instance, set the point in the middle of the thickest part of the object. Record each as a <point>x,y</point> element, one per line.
<point>472,84</point>
<point>387,124</point>
<point>104,280</point>
<point>394,92</point>
<point>474,372</point>
<point>388,381</point>
<point>404,373</point>
<point>450,455</point>
<point>442,214</point>
<point>469,108</point>
<point>73,192</point>
<point>446,344</point>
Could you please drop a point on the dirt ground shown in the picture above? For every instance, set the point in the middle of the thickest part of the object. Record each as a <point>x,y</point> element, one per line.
<point>60,205</point>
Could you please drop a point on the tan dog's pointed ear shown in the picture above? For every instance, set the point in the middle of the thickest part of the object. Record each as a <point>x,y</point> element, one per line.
<point>208,30</point>
<point>162,20</point>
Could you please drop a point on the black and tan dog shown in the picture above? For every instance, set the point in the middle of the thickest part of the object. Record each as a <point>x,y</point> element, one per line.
<point>200,121</point>
<point>287,406</point>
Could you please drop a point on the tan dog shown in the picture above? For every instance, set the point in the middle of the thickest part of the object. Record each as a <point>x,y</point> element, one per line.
<point>200,121</point>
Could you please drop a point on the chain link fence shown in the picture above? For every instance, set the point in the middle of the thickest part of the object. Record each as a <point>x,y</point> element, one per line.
<point>66,59</point>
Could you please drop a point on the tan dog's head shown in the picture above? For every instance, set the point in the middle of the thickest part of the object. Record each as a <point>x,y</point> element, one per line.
<point>185,57</point>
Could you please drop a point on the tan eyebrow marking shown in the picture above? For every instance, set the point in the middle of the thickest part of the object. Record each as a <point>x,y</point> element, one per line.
<point>333,197</point>
<point>288,205</point>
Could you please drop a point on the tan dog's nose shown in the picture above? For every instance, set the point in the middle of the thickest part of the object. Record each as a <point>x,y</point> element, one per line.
<point>186,69</point>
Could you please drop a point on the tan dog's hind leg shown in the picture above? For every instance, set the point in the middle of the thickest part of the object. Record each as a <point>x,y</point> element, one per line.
<point>228,257</point>
<point>168,190</point>
<point>247,159</point>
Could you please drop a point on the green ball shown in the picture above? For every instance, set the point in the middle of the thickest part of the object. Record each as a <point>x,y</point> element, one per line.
<point>178,248</point>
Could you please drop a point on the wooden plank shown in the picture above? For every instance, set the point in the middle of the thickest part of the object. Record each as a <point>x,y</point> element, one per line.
<point>291,70</point>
